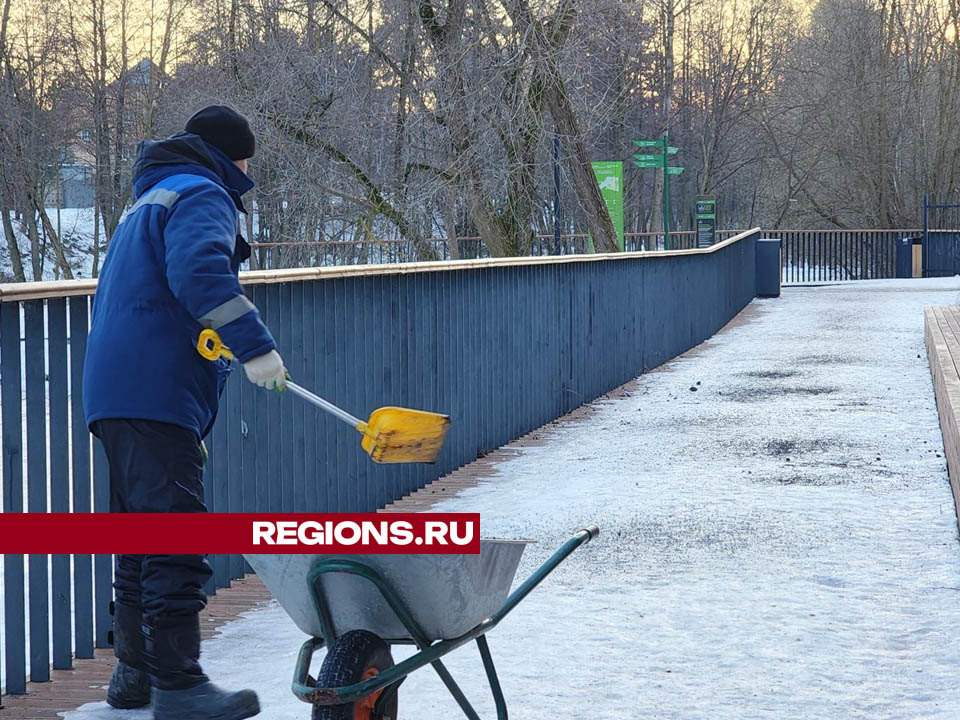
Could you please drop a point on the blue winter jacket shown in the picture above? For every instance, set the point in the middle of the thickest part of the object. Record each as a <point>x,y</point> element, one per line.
<point>170,271</point>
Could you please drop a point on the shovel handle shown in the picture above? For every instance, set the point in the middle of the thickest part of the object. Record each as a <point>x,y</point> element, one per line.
<point>210,346</point>
<point>326,406</point>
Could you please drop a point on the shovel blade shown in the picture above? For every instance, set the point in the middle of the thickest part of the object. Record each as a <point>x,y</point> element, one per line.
<point>401,435</point>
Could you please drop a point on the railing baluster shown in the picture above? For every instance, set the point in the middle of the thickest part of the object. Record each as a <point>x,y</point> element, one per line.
<point>375,312</point>
<point>283,327</point>
<point>366,306</point>
<point>215,480</point>
<point>272,432</point>
<point>13,566</point>
<point>830,255</point>
<point>864,270</point>
<point>258,428</point>
<point>59,476</point>
<point>35,366</point>
<point>308,363</point>
<point>817,259</point>
<point>815,249</point>
<point>806,257</point>
<point>346,487</point>
<point>799,262</point>
<point>81,466</point>
<point>234,446</point>
<point>210,500</point>
<point>844,242</point>
<point>102,564</point>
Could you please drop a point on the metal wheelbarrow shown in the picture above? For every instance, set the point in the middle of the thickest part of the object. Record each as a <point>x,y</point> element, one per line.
<point>360,605</point>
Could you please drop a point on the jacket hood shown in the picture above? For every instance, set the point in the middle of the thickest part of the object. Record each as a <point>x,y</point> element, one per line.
<point>187,153</point>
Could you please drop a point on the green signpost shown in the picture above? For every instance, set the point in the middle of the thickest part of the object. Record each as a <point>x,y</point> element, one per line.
<point>610,179</point>
<point>659,160</point>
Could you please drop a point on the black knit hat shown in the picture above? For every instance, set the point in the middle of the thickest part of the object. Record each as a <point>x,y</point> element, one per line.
<point>225,129</point>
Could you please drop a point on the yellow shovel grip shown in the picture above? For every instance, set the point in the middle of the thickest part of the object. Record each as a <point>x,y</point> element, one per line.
<point>210,346</point>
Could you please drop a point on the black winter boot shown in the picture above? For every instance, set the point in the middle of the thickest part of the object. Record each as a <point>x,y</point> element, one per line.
<point>204,702</point>
<point>130,684</point>
<point>180,689</point>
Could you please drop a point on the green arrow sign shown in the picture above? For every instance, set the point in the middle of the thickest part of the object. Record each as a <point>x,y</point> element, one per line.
<point>647,163</point>
<point>674,170</point>
<point>648,143</point>
<point>653,158</point>
<point>671,150</point>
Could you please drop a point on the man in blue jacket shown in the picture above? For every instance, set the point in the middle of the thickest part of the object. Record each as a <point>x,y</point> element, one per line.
<point>171,271</point>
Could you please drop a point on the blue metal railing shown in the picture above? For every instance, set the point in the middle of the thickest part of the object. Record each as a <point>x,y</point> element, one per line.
<point>941,237</point>
<point>331,253</point>
<point>837,254</point>
<point>503,346</point>
<point>941,253</point>
<point>830,255</point>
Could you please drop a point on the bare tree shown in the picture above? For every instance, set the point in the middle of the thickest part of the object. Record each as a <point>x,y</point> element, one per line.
<point>31,134</point>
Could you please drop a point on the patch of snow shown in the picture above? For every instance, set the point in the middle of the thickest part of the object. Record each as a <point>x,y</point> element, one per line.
<point>76,230</point>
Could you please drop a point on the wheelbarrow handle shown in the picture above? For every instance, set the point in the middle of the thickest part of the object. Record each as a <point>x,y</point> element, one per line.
<point>526,587</point>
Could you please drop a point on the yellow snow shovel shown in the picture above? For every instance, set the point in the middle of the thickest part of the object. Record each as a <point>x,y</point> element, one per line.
<point>390,435</point>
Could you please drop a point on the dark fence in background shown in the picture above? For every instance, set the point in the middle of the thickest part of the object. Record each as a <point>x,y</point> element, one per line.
<point>941,237</point>
<point>941,253</point>
<point>503,346</point>
<point>835,255</point>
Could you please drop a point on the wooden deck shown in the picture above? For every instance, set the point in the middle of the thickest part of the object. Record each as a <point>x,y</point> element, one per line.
<point>942,334</point>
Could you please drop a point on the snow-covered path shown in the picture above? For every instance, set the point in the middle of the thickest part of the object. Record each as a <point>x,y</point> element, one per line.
<point>779,542</point>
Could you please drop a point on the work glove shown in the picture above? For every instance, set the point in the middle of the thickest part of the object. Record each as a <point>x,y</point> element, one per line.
<point>267,371</point>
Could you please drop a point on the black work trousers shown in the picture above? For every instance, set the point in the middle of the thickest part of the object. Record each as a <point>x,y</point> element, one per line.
<point>156,467</point>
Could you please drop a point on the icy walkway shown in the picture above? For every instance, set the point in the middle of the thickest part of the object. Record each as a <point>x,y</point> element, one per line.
<point>779,543</point>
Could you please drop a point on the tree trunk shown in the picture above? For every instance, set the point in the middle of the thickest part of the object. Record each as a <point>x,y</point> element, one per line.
<point>547,38</point>
<point>54,237</point>
<point>588,191</point>
<point>450,223</point>
<point>668,23</point>
<point>402,91</point>
<point>16,259</point>
<point>28,225</point>
<point>95,270</point>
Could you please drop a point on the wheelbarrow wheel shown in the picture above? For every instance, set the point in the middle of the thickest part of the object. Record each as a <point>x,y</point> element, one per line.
<point>358,655</point>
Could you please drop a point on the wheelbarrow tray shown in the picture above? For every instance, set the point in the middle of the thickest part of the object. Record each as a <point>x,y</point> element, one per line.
<point>447,594</point>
